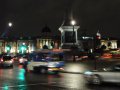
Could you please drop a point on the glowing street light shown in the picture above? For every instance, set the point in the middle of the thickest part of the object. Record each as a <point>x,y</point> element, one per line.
<point>10,24</point>
<point>73,22</point>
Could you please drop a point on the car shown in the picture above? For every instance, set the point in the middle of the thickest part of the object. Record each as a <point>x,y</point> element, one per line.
<point>23,59</point>
<point>106,55</point>
<point>110,74</point>
<point>46,62</point>
<point>6,61</point>
<point>15,58</point>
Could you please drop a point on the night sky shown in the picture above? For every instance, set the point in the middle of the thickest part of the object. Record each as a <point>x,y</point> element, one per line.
<point>30,16</point>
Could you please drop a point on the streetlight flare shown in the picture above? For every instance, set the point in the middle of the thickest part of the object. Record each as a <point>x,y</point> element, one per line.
<point>10,24</point>
<point>73,22</point>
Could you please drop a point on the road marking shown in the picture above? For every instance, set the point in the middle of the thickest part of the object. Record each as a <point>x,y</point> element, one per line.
<point>35,84</point>
<point>27,85</point>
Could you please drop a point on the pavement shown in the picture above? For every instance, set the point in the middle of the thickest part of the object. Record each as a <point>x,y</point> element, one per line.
<point>80,67</point>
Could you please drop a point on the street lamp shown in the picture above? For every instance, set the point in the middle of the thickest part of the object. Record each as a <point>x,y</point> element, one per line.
<point>10,24</point>
<point>73,24</point>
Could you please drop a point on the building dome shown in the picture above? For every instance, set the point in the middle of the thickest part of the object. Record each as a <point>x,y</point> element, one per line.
<point>46,29</point>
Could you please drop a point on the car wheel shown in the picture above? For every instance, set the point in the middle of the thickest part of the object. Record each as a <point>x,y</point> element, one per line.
<point>96,79</point>
<point>11,66</point>
<point>43,70</point>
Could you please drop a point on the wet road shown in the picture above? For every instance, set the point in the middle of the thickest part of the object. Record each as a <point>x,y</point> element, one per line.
<point>17,79</point>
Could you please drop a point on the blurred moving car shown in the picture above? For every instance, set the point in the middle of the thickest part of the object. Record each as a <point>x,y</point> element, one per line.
<point>6,61</point>
<point>23,59</point>
<point>106,55</point>
<point>15,58</point>
<point>46,61</point>
<point>116,56</point>
<point>110,74</point>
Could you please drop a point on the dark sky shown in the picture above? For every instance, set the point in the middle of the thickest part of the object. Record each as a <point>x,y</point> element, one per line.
<point>30,16</point>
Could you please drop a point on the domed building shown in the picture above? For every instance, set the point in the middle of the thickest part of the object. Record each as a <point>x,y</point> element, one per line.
<point>46,32</point>
<point>47,40</point>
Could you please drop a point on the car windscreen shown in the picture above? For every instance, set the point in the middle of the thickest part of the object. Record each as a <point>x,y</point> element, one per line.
<point>46,56</point>
<point>6,58</point>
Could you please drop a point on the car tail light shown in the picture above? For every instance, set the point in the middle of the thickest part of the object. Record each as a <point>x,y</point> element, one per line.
<point>1,60</point>
<point>20,60</point>
<point>49,69</point>
<point>61,68</point>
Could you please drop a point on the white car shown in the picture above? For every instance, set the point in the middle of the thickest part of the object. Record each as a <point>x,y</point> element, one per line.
<point>45,67</point>
<point>110,74</point>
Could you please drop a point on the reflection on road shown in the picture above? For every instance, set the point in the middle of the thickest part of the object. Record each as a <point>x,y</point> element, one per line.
<point>11,78</point>
<point>17,79</point>
<point>21,74</point>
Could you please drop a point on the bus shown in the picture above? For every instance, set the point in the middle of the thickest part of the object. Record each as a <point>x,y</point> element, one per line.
<point>46,61</point>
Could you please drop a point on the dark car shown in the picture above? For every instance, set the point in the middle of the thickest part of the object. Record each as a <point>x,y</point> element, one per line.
<point>23,59</point>
<point>6,61</point>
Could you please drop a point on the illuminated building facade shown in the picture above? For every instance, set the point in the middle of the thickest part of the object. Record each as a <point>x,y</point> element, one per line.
<point>110,44</point>
<point>28,44</point>
<point>19,45</point>
<point>2,46</point>
<point>47,40</point>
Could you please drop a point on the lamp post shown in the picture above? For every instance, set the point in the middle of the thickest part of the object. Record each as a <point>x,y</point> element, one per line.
<point>9,25</point>
<point>8,47</point>
<point>73,24</point>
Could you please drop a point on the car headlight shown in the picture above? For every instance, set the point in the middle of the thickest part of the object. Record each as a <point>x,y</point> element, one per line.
<point>11,61</point>
<point>21,60</point>
<point>51,64</point>
<point>88,73</point>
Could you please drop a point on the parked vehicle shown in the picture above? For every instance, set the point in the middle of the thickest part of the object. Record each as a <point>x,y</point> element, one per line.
<point>6,61</point>
<point>110,74</point>
<point>46,61</point>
